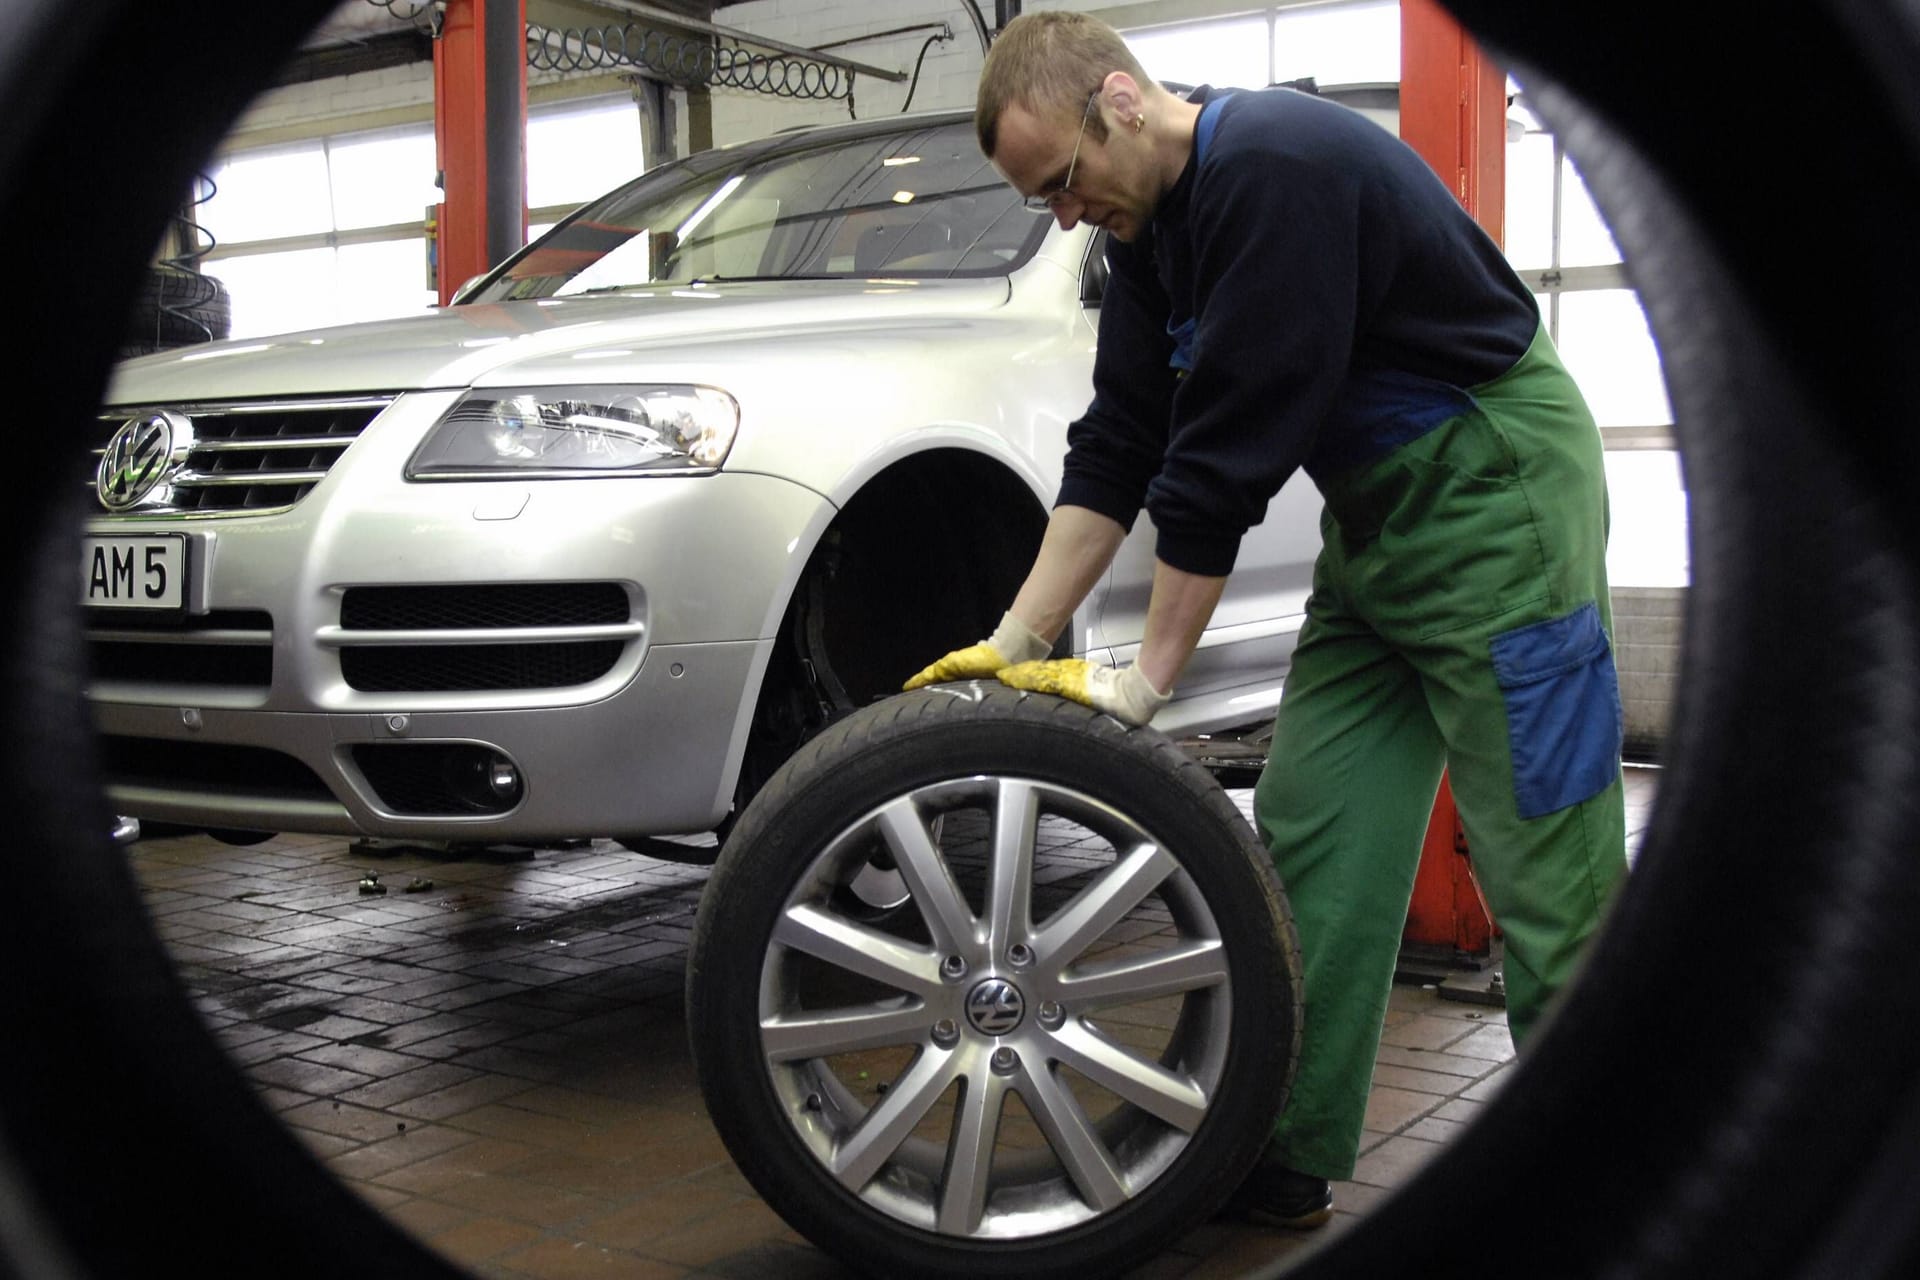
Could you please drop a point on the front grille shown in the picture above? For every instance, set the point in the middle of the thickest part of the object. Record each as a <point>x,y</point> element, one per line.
<point>435,778</point>
<point>247,458</point>
<point>561,604</point>
<point>254,772</point>
<point>225,648</point>
<point>453,668</point>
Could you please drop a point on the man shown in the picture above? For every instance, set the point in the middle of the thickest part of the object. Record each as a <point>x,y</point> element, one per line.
<point>1290,288</point>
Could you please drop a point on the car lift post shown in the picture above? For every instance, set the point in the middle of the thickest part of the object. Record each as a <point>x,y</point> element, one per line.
<point>1453,112</point>
<point>479,127</point>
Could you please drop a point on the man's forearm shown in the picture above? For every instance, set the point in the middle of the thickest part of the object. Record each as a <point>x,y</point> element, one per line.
<point>1079,545</point>
<point>1178,612</point>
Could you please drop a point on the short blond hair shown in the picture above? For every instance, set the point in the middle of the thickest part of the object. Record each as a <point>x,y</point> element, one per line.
<point>1049,63</point>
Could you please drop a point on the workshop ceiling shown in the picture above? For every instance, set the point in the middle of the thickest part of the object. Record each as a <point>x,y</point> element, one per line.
<point>362,36</point>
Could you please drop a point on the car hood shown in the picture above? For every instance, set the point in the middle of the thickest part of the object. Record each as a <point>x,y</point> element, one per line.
<point>484,343</point>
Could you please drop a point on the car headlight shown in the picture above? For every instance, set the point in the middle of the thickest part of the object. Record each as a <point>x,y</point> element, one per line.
<point>557,432</point>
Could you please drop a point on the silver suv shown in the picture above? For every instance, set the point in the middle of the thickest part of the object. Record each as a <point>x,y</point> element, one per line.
<point>726,455</point>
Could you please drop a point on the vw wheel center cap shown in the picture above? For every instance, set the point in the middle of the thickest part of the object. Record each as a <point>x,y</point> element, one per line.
<point>995,1007</point>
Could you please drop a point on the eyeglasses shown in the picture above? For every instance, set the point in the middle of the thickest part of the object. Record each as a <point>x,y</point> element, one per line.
<point>1047,201</point>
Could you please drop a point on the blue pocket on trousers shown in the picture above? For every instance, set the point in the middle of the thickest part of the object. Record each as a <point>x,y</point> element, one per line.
<point>1563,710</point>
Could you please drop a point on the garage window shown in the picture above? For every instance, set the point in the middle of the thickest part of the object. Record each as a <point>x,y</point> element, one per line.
<point>332,230</point>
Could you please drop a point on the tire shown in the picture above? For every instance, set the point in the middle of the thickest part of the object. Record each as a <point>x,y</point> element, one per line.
<point>955,782</point>
<point>177,308</point>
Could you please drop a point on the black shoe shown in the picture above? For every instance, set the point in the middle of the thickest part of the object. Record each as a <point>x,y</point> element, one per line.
<point>1276,1196</point>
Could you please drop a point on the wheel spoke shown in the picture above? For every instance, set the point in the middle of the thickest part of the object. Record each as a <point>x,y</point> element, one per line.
<point>1148,1085</point>
<point>790,1037</point>
<point>1080,1150</point>
<point>858,949</point>
<point>862,1152</point>
<point>949,919</point>
<point>976,1125</point>
<point>1187,967</point>
<point>1103,904</point>
<point>1010,888</point>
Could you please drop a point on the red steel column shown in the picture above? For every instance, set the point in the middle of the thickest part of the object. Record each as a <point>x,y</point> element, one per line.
<point>1453,111</point>
<point>465,246</point>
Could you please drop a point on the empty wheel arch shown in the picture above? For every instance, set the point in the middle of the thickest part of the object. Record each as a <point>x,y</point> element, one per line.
<point>921,561</point>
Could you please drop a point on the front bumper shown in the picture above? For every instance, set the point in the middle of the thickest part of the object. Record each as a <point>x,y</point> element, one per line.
<point>652,759</point>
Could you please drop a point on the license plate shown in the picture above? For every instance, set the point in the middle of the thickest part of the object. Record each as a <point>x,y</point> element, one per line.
<point>135,573</point>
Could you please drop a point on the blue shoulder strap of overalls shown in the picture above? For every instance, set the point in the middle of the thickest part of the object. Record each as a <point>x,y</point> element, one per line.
<point>1182,334</point>
<point>1209,121</point>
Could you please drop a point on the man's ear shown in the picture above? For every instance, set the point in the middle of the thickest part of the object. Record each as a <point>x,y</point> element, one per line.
<point>1122,94</point>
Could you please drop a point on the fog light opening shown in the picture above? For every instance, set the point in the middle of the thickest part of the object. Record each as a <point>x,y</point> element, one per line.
<point>483,779</point>
<point>504,778</point>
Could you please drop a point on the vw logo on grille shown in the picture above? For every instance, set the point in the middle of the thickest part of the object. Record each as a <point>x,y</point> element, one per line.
<point>995,1007</point>
<point>142,455</point>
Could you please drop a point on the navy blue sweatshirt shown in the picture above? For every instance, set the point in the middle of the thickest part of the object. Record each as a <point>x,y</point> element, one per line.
<point>1309,294</point>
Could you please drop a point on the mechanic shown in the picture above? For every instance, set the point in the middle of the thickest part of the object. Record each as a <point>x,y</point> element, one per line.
<point>1292,287</point>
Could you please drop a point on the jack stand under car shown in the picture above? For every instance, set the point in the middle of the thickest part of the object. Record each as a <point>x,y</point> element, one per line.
<point>1065,1046</point>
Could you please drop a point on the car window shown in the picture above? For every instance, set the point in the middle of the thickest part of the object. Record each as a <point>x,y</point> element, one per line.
<point>920,202</point>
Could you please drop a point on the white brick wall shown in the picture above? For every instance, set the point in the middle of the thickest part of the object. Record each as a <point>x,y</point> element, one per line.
<point>1646,649</point>
<point>317,101</point>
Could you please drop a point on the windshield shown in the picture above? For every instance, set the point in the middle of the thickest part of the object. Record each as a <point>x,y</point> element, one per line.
<point>912,203</point>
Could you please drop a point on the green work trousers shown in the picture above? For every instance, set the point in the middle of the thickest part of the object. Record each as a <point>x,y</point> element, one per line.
<point>1459,619</point>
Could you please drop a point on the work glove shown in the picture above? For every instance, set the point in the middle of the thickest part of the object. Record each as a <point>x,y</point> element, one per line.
<point>1010,642</point>
<point>1122,692</point>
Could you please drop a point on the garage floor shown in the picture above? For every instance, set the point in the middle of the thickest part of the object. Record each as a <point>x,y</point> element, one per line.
<point>492,1052</point>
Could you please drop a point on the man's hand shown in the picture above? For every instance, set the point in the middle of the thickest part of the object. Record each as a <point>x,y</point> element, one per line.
<point>1121,692</point>
<point>1012,641</point>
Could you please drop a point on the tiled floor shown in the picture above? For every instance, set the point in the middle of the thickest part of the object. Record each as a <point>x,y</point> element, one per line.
<point>492,1052</point>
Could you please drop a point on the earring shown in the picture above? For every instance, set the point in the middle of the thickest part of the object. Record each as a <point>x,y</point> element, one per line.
<point>1139,122</point>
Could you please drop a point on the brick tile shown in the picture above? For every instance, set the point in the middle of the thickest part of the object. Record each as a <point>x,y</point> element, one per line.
<point>423,1218</point>
<point>709,1240</point>
<point>1484,1089</point>
<point>422,1027</point>
<point>482,1239</point>
<point>1425,1032</point>
<point>1434,1129</point>
<point>456,1101</point>
<point>461,1164</point>
<point>790,1260</point>
<point>1393,1161</point>
<point>359,1123</point>
<point>1423,1060</point>
<point>397,1149</point>
<point>1417,1081</point>
<point>555,1259</point>
<point>515,1198</point>
<point>1357,1198</point>
<point>409,1084</point>
<point>521,1125</point>
<point>668,1207</point>
<point>1492,1043</point>
<point>1390,1110</point>
<point>306,1077</point>
<point>324,1145</point>
<point>379,1063</point>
